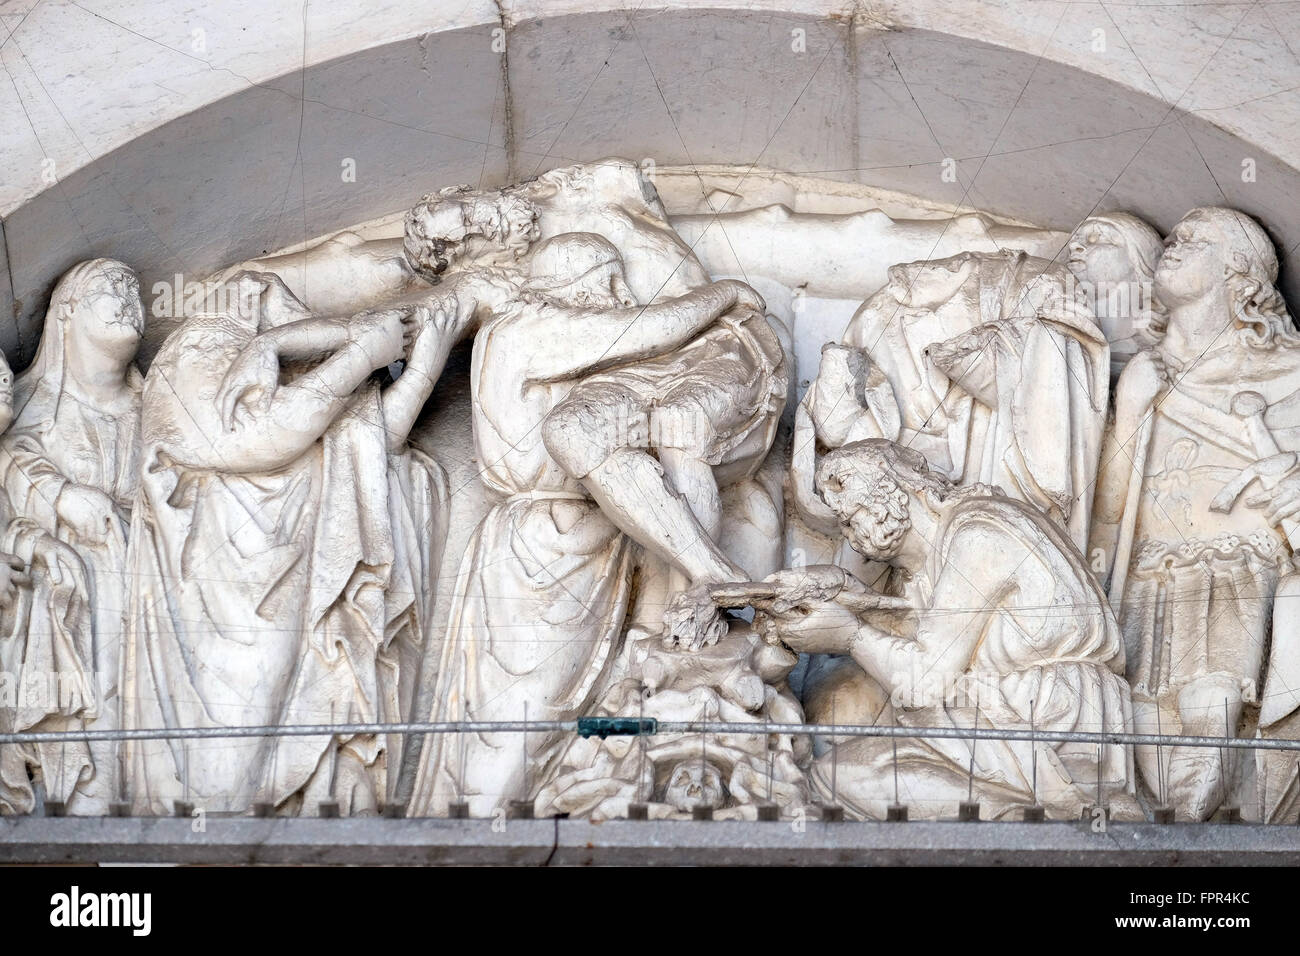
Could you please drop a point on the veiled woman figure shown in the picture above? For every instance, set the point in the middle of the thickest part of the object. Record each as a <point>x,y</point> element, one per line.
<point>69,468</point>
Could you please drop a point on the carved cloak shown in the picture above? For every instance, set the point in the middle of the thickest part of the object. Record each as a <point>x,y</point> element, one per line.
<point>269,598</point>
<point>79,588</point>
<point>1049,656</point>
<point>1037,432</point>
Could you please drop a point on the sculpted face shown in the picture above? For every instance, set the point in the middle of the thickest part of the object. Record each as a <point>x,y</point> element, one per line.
<point>691,785</point>
<point>1193,263</point>
<point>109,314</point>
<point>432,231</point>
<point>437,228</point>
<point>870,485</point>
<point>1098,255</point>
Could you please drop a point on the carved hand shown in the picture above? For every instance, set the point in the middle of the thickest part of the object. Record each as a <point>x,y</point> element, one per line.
<point>692,621</point>
<point>87,511</point>
<point>811,585</point>
<point>383,334</point>
<point>805,614</point>
<point>46,552</point>
<point>1280,502</point>
<point>746,296</point>
<point>437,333</point>
<point>1145,378</point>
<point>12,576</point>
<point>816,627</point>
<point>439,322</point>
<point>954,354</point>
<point>969,360</point>
<point>256,368</point>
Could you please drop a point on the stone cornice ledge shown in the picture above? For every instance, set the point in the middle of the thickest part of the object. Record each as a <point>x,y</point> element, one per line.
<point>577,842</point>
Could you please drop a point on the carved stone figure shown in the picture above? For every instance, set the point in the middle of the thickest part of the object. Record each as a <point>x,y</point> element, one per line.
<point>248,535</point>
<point>1196,557</point>
<point>707,411</point>
<point>740,679</point>
<point>986,364</point>
<point>1114,258</point>
<point>70,468</point>
<point>34,654</point>
<point>281,548</point>
<point>1002,626</point>
<point>460,227</point>
<point>481,243</point>
<point>543,592</point>
<point>704,413</point>
<point>990,366</point>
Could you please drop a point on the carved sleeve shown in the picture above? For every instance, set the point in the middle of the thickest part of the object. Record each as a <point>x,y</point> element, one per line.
<point>594,339</point>
<point>32,482</point>
<point>950,629</point>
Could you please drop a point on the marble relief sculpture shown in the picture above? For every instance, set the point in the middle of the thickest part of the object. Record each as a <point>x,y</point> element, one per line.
<point>575,385</point>
<point>718,459</point>
<point>952,358</point>
<point>1001,625</point>
<point>69,463</point>
<point>1114,258</point>
<point>279,548</point>
<point>1195,509</point>
<point>742,679</point>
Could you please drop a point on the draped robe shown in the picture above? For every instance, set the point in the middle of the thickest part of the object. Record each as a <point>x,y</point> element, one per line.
<point>1048,656</point>
<point>270,598</point>
<point>1196,601</point>
<point>540,603</point>
<point>69,625</point>
<point>1038,437</point>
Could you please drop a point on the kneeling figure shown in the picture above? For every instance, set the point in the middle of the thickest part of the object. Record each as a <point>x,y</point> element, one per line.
<point>1001,626</point>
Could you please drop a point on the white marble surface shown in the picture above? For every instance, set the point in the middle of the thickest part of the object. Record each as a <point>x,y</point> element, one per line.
<point>980,104</point>
<point>136,65</point>
<point>182,138</point>
<point>558,523</point>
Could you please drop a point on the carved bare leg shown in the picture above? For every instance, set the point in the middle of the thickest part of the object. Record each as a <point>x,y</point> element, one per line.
<point>631,490</point>
<point>597,435</point>
<point>692,479</point>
